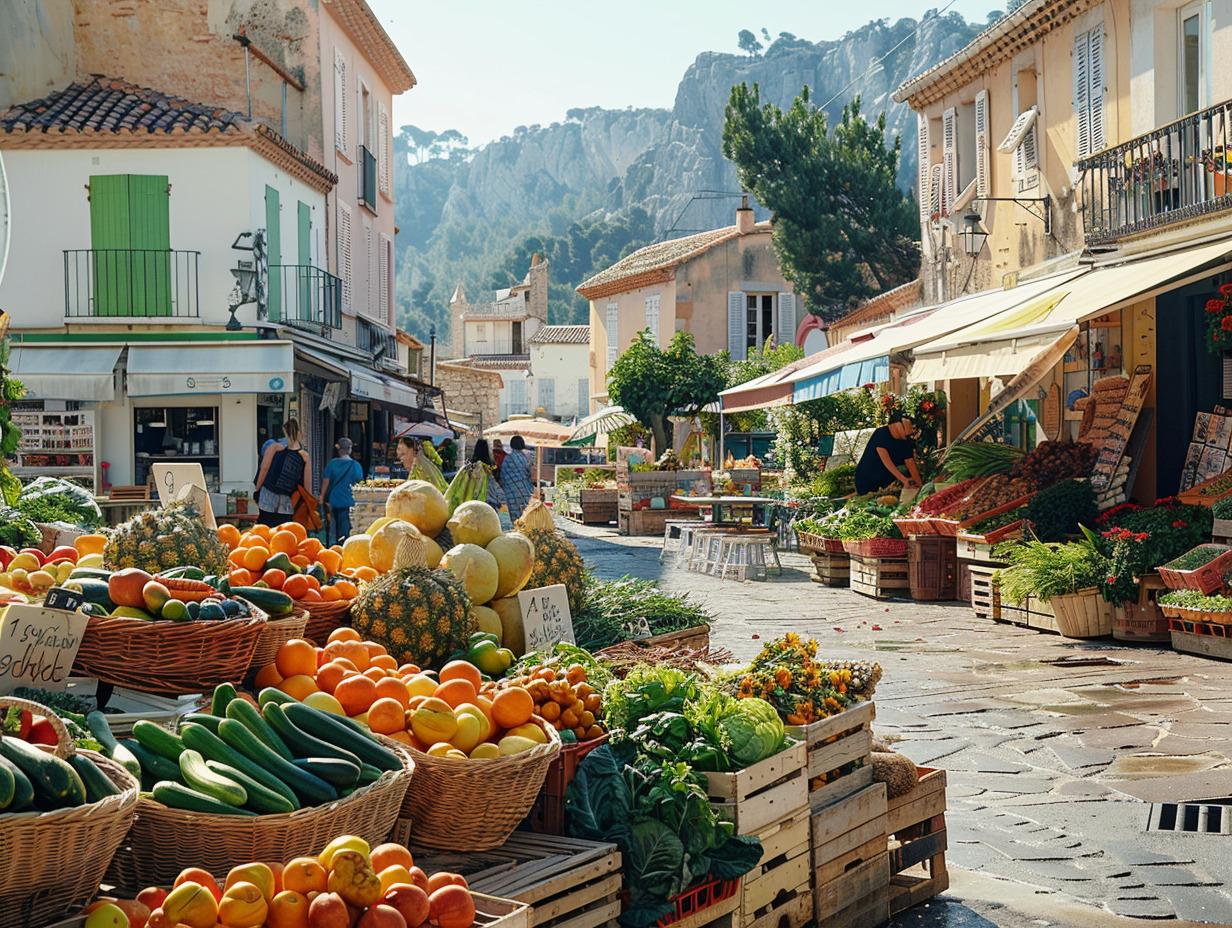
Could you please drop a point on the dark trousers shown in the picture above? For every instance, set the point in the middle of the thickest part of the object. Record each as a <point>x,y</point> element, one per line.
<point>273,519</point>
<point>339,524</point>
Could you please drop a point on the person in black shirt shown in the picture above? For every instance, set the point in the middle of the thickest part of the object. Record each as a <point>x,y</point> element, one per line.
<point>888,449</point>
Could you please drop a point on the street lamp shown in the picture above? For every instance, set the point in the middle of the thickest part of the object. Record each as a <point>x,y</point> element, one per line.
<point>432,355</point>
<point>972,235</point>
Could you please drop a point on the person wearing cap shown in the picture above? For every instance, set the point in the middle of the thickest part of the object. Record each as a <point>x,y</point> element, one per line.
<point>341,474</point>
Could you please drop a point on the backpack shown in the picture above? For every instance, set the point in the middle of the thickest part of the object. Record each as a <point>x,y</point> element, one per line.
<point>286,472</point>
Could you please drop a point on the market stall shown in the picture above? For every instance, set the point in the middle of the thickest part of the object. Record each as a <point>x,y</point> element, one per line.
<point>647,490</point>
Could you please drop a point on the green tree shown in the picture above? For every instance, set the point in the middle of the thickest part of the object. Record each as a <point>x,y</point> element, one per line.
<point>843,230</point>
<point>653,383</point>
<point>748,43</point>
<point>758,364</point>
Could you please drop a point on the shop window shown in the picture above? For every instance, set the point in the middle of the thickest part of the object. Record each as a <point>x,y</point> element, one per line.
<point>177,434</point>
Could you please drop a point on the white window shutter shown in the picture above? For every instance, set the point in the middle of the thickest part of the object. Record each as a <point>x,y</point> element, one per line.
<point>373,270</point>
<point>736,344</point>
<point>383,301</point>
<point>547,394</point>
<point>340,101</point>
<point>382,149</point>
<point>583,397</point>
<point>982,153</point>
<point>1082,91</point>
<point>613,333</point>
<point>787,319</point>
<point>936,182</point>
<point>924,175</point>
<point>1095,90</point>
<point>517,397</point>
<point>652,316</point>
<point>1030,154</point>
<point>345,261</point>
<point>949,160</point>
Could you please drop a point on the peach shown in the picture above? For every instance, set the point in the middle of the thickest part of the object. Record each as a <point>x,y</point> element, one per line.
<point>288,910</point>
<point>381,916</point>
<point>451,907</point>
<point>328,910</point>
<point>201,878</point>
<point>259,875</point>
<point>410,901</point>
<point>304,875</point>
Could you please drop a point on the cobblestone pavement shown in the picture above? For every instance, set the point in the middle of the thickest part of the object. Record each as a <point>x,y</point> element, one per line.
<point>1052,761</point>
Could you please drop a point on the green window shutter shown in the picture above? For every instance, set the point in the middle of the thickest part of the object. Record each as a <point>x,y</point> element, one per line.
<point>273,248</point>
<point>150,238</point>
<point>109,238</point>
<point>303,275</point>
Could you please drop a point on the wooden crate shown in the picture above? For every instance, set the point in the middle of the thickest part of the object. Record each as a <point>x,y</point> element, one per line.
<point>832,569</point>
<point>848,833</point>
<point>565,882</point>
<point>646,521</point>
<point>782,878</point>
<point>985,597</point>
<point>917,843</point>
<point>880,577</point>
<point>758,796</point>
<point>860,898</point>
<point>841,743</point>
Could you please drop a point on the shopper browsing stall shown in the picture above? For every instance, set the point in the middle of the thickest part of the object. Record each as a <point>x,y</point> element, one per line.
<point>888,449</point>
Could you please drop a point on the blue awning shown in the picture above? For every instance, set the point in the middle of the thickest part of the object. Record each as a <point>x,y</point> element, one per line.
<point>855,374</point>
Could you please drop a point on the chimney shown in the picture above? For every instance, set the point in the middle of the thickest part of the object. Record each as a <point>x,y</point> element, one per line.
<point>744,216</point>
<point>535,259</point>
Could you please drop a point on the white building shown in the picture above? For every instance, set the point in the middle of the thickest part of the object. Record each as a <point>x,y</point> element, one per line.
<point>560,366</point>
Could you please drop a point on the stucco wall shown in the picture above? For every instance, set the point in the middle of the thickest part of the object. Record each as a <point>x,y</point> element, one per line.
<point>566,365</point>
<point>36,46</point>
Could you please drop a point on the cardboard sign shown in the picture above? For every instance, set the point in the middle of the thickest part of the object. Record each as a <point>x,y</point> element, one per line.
<point>546,620</point>
<point>1050,418</point>
<point>38,645</point>
<point>184,483</point>
<point>1118,433</point>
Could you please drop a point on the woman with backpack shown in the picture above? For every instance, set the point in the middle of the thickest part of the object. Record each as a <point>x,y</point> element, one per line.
<point>284,469</point>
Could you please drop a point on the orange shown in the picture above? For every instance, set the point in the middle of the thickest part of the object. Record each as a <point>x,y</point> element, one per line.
<point>330,674</point>
<point>512,707</point>
<point>295,586</point>
<point>301,562</point>
<point>274,579</point>
<point>255,558</point>
<point>387,716</point>
<point>296,656</point>
<point>330,594</point>
<point>405,737</point>
<point>264,532</point>
<point>391,688</point>
<point>408,670</point>
<point>299,686</point>
<point>348,589</point>
<point>304,875</point>
<point>390,855</point>
<point>329,559</point>
<point>266,677</point>
<point>241,577</point>
<point>366,574</point>
<point>461,670</point>
<point>313,582</point>
<point>236,557</point>
<point>287,910</point>
<point>310,547</point>
<point>386,661</point>
<point>375,648</point>
<point>343,633</point>
<point>457,691</point>
<point>283,543</point>
<point>229,535</point>
<point>376,673</point>
<point>355,652</point>
<point>295,529</point>
<point>356,694</point>
<point>312,596</point>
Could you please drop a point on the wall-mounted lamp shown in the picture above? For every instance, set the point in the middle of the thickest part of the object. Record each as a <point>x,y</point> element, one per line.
<point>973,235</point>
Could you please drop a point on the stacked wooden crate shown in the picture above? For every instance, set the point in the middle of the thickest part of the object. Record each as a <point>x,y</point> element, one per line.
<point>976,566</point>
<point>832,569</point>
<point>770,801</point>
<point>838,753</point>
<point>917,843</point>
<point>880,577</point>
<point>851,866</point>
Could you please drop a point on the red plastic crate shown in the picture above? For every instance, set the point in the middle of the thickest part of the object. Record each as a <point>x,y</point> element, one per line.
<point>547,817</point>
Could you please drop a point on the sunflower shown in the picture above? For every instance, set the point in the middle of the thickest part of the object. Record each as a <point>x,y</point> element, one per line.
<point>782,676</point>
<point>746,687</point>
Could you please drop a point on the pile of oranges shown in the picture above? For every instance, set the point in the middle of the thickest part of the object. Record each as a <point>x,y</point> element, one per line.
<point>258,555</point>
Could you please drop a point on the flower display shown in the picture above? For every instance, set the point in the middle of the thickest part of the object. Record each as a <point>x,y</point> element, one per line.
<point>1219,321</point>
<point>801,687</point>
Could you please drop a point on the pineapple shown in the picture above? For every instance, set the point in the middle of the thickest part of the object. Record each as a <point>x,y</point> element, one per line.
<point>557,561</point>
<point>421,616</point>
<point>159,539</point>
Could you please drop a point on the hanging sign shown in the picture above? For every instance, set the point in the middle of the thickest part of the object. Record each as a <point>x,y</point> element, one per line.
<point>178,483</point>
<point>1118,433</point>
<point>38,645</point>
<point>545,617</point>
<point>1050,413</point>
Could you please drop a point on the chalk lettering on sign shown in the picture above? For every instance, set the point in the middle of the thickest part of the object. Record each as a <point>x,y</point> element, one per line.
<point>546,620</point>
<point>38,645</point>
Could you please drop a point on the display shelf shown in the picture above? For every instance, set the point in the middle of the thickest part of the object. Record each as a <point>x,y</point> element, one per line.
<point>56,444</point>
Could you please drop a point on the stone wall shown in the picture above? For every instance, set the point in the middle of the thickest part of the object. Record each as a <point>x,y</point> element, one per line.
<point>471,391</point>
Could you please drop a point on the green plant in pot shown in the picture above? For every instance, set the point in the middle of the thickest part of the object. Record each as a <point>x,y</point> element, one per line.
<point>1050,569</point>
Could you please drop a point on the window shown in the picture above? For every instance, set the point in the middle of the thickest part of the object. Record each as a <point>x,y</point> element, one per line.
<point>583,397</point>
<point>965,147</point>
<point>652,315</point>
<point>612,325</point>
<point>130,240</point>
<point>1089,90</point>
<point>385,304</point>
<point>340,102</point>
<point>983,182</point>
<point>758,320</point>
<point>346,267</point>
<point>517,337</point>
<point>1021,143</point>
<point>547,394</point>
<point>517,397</point>
<point>481,331</point>
<point>1191,58</point>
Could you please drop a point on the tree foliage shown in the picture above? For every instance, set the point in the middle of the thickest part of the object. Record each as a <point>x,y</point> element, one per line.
<point>759,363</point>
<point>652,383</point>
<point>748,43</point>
<point>843,230</point>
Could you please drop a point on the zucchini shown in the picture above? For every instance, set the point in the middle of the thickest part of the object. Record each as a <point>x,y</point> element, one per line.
<point>213,748</point>
<point>339,773</point>
<point>368,774</point>
<point>333,728</point>
<point>186,573</point>
<point>8,786</point>
<point>23,791</point>
<point>272,694</point>
<point>178,796</point>
<point>154,767</point>
<point>98,784</point>
<point>56,784</point>
<point>301,742</point>
<point>261,800</point>
<point>224,693</point>
<point>158,739</point>
<point>101,730</point>
<point>94,591</point>
<point>246,713</point>
<point>274,602</point>
<point>309,788</point>
<point>204,780</point>
<point>202,718</point>
<point>90,573</point>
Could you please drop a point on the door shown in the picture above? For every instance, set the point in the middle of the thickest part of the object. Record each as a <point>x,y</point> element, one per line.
<point>547,395</point>
<point>306,293</point>
<point>130,236</point>
<point>273,252</point>
<point>1191,57</point>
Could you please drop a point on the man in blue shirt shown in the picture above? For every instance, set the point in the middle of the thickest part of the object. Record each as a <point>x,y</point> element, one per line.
<point>342,473</point>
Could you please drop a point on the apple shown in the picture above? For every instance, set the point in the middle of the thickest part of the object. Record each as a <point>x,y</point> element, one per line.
<point>107,915</point>
<point>152,897</point>
<point>410,901</point>
<point>64,552</point>
<point>328,910</point>
<point>125,586</point>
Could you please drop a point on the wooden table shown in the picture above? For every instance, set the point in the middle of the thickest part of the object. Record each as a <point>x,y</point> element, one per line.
<point>717,505</point>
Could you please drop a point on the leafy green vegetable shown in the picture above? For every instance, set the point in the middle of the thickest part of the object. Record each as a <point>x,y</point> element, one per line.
<point>1048,570</point>
<point>611,605</point>
<point>1058,510</point>
<point>17,531</point>
<point>645,690</point>
<point>746,730</point>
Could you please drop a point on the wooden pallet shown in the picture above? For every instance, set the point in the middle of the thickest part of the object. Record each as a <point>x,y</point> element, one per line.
<point>566,882</point>
<point>985,597</point>
<point>645,521</point>
<point>880,577</point>
<point>783,874</point>
<point>848,833</point>
<point>860,898</point>
<point>918,842</point>
<point>841,743</point>
<point>832,569</point>
<point>758,796</point>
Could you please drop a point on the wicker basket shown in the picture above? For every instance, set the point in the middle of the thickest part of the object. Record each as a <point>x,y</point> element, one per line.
<point>1084,614</point>
<point>171,658</point>
<point>275,634</point>
<point>164,841</point>
<point>468,805</point>
<point>54,861</point>
<point>323,618</point>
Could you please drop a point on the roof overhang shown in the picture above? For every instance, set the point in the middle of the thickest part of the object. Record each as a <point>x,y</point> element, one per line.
<point>361,23</point>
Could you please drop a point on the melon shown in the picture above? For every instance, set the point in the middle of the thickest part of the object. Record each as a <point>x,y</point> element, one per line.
<point>375,526</point>
<point>489,621</point>
<point>475,569</point>
<point>419,503</point>
<point>474,523</point>
<point>515,556</point>
<point>513,635</point>
<point>384,543</point>
<point>432,553</point>
<point>355,552</point>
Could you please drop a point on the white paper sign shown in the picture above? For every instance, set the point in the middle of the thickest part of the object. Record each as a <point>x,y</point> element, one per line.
<point>38,645</point>
<point>184,482</point>
<point>546,620</point>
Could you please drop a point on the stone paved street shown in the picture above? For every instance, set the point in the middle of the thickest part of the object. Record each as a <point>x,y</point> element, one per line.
<point>1052,761</point>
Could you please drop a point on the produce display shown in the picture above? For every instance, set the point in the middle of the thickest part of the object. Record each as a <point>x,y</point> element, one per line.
<point>1136,539</point>
<point>348,885</point>
<point>16,531</point>
<point>1199,602</point>
<point>609,607</point>
<point>1057,511</point>
<point>1053,461</point>
<point>1196,557</point>
<point>936,503</point>
<point>801,687</point>
<point>171,536</point>
<point>979,459</point>
<point>556,558</point>
<point>29,572</point>
<point>563,698</point>
<point>1046,570</point>
<point>1001,520</point>
<point>284,558</point>
<point>50,499</point>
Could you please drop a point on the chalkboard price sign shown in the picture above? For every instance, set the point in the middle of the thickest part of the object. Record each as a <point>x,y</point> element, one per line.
<point>546,619</point>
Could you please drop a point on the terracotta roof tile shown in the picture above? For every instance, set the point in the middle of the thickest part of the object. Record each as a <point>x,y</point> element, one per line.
<point>561,335</point>
<point>883,304</point>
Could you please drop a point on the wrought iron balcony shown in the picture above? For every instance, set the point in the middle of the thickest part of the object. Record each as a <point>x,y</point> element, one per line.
<point>127,283</point>
<point>305,296</point>
<point>366,162</point>
<point>1176,172</point>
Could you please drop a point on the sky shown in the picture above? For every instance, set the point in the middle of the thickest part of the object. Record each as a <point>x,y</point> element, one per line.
<point>485,67</point>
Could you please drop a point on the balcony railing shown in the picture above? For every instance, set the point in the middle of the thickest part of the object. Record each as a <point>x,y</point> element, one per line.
<point>366,162</point>
<point>126,283</point>
<point>305,296</point>
<point>1176,172</point>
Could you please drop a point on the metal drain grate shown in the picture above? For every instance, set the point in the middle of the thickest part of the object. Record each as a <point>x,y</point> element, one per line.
<point>1204,818</point>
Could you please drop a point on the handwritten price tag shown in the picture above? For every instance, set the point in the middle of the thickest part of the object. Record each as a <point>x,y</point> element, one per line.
<point>546,620</point>
<point>38,645</point>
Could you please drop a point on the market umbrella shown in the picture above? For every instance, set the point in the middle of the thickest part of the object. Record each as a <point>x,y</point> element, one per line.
<point>426,430</point>
<point>536,431</point>
<point>605,420</point>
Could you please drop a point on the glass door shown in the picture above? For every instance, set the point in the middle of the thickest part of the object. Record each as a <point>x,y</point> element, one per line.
<point>1191,57</point>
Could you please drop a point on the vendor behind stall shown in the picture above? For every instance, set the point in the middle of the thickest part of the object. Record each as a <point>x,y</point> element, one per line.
<point>888,449</point>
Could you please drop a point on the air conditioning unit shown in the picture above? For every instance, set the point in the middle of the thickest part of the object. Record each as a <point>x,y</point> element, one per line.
<point>387,363</point>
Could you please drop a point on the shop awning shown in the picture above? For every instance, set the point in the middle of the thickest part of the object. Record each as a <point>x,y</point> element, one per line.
<point>189,368</point>
<point>66,372</point>
<point>775,388</point>
<point>368,384</point>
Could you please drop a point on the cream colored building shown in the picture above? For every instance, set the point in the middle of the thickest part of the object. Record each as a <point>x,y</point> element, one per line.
<point>560,366</point>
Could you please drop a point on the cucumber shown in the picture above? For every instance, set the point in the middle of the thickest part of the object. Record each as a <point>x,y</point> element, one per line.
<point>213,748</point>
<point>202,718</point>
<point>261,800</point>
<point>368,774</point>
<point>204,780</point>
<point>334,729</point>
<point>274,602</point>
<point>90,573</point>
<point>224,693</point>
<point>301,742</point>
<point>271,694</point>
<point>336,772</point>
<point>56,784</point>
<point>23,790</point>
<point>154,767</point>
<point>101,730</point>
<point>98,784</point>
<point>309,788</point>
<point>246,713</point>
<point>157,739</point>
<point>8,786</point>
<point>179,796</point>
<point>186,573</point>
<point>94,591</point>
